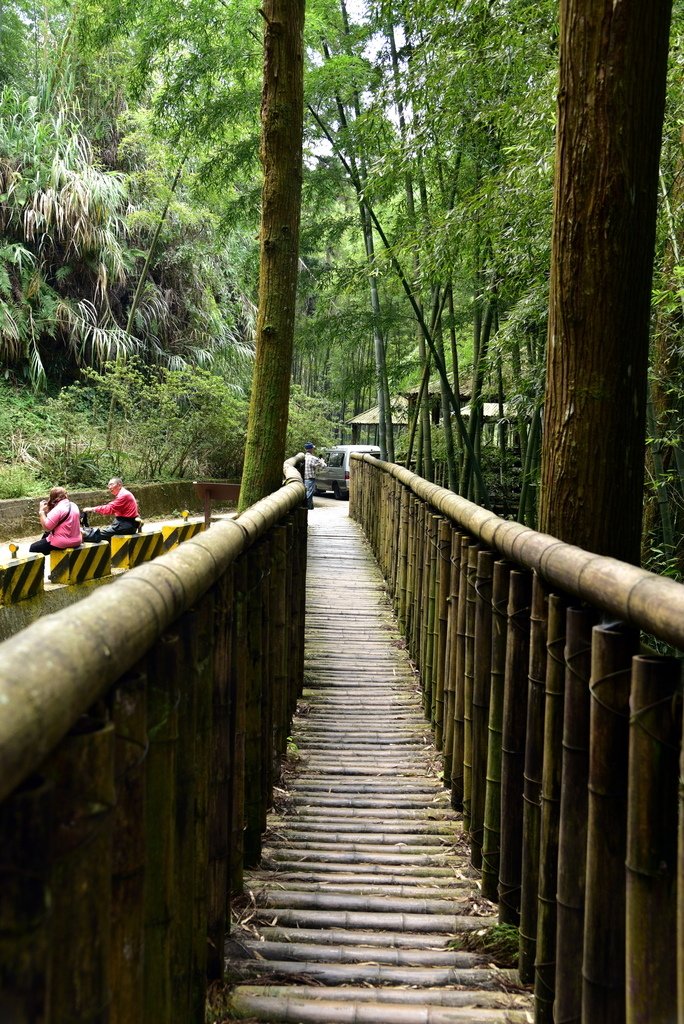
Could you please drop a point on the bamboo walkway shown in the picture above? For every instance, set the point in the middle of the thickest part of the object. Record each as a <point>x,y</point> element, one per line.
<point>365,881</point>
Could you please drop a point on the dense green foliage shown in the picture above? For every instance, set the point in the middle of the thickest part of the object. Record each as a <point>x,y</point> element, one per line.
<point>129,207</point>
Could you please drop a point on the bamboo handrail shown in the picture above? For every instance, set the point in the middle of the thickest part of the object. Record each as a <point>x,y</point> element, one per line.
<point>54,670</point>
<point>555,844</point>
<point>653,603</point>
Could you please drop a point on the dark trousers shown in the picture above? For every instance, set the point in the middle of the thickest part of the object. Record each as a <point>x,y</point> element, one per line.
<point>120,527</point>
<point>44,547</point>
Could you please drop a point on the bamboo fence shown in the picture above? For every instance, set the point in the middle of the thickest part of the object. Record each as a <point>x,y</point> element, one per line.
<point>561,734</point>
<point>140,731</point>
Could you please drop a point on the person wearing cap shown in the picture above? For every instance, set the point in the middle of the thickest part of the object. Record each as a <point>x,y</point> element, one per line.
<point>123,507</point>
<point>311,464</point>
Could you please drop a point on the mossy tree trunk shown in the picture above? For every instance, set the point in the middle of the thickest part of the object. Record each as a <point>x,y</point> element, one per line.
<point>613,60</point>
<point>281,157</point>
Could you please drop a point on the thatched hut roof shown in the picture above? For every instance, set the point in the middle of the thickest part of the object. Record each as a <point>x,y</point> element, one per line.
<point>371,417</point>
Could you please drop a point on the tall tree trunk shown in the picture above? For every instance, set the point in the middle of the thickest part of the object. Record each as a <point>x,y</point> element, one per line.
<point>613,62</point>
<point>455,367</point>
<point>360,180</point>
<point>423,405</point>
<point>385,432</point>
<point>282,112</point>
<point>469,487</point>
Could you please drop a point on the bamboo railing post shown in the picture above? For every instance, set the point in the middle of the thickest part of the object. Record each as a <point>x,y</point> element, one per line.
<point>513,745</point>
<point>491,837</point>
<point>434,612</point>
<point>292,584</point>
<point>459,683</point>
<point>545,965</point>
<point>410,566</point>
<point>450,655</point>
<point>572,836</point>
<point>128,710</point>
<point>414,506</point>
<point>603,987</point>
<point>429,585</point>
<point>651,907</point>
<point>279,644</point>
<point>444,549</point>
<point>385,524</point>
<point>426,582</point>
<point>82,770</point>
<point>238,684</point>
<point>482,680</point>
<point>252,641</point>
<point>218,900</point>
<point>418,574</point>
<point>163,700</point>
<point>184,851</point>
<point>202,660</point>
<point>396,541</point>
<point>292,624</point>
<point>532,784</point>
<point>266,752</point>
<point>300,595</point>
<point>468,681</point>
<point>400,603</point>
<point>392,538</point>
<point>25,875</point>
<point>680,898</point>
<point>192,671</point>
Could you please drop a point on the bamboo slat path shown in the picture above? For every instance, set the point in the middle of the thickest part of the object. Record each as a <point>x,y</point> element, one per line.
<point>365,880</point>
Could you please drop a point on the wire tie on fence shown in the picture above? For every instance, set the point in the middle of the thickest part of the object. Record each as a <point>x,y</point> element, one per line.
<point>144,747</point>
<point>99,822</point>
<point>151,732</point>
<point>572,749</point>
<point>551,647</point>
<point>578,654</point>
<point>594,687</point>
<point>520,614</point>
<point>636,718</point>
<point>506,890</point>
<point>540,980</point>
<point>600,792</point>
<point>642,873</point>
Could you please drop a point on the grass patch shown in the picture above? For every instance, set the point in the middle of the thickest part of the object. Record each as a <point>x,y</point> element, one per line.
<point>498,943</point>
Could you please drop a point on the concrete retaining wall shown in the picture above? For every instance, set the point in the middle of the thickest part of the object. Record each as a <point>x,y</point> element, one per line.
<point>14,617</point>
<point>19,516</point>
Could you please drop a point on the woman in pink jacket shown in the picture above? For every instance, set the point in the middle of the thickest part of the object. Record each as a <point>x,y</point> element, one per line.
<point>59,517</point>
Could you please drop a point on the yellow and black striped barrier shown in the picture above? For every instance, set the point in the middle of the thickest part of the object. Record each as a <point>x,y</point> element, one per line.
<point>132,550</point>
<point>21,578</point>
<point>78,565</point>
<point>175,535</point>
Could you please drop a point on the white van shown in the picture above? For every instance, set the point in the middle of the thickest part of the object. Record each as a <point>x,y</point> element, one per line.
<point>335,476</point>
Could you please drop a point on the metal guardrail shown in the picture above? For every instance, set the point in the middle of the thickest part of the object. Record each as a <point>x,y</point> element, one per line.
<point>561,738</point>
